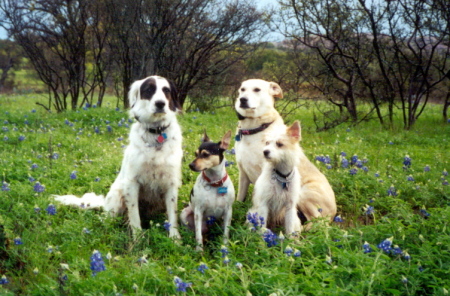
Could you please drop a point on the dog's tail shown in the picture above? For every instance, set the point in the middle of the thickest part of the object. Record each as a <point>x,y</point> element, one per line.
<point>87,201</point>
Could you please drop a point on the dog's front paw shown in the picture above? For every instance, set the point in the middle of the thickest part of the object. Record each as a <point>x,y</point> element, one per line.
<point>174,234</point>
<point>199,248</point>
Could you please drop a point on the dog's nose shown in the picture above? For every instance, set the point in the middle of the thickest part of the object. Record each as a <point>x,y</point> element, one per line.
<point>243,100</point>
<point>160,104</point>
<point>192,166</point>
<point>266,153</point>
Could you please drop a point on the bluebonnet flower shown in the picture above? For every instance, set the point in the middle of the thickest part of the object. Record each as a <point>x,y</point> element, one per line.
<point>424,212</point>
<point>319,210</point>
<point>297,253</point>
<point>210,220</point>
<point>392,191</point>
<point>34,166</point>
<point>228,163</point>
<point>239,265</point>
<point>5,129</point>
<point>366,169</point>
<point>18,241</point>
<point>328,259</point>
<point>5,186</point>
<point>407,161</point>
<point>348,129</point>
<point>66,122</point>
<point>167,225</point>
<point>21,138</point>
<point>38,187</point>
<point>444,173</point>
<point>377,174</point>
<point>353,171</point>
<point>3,280</point>
<point>368,210</point>
<point>367,248</point>
<point>281,236</point>
<point>329,166</point>
<point>270,238</point>
<point>445,182</point>
<point>410,178</point>
<point>33,110</point>
<point>404,279</point>
<point>97,179</point>
<point>391,143</point>
<point>202,267</point>
<point>96,130</point>
<point>359,164</point>
<point>426,168</point>
<point>396,250</point>
<point>344,163</point>
<point>224,251</point>
<point>320,158</point>
<point>226,260</point>
<point>55,155</point>
<point>50,249</point>
<point>97,263</point>
<point>420,267</point>
<point>338,219</point>
<point>31,179</point>
<point>406,256</point>
<point>37,209</point>
<point>343,154</point>
<point>288,251</point>
<point>5,138</point>
<point>109,128</point>
<point>386,245</point>
<point>143,259</point>
<point>119,139</point>
<point>51,209</point>
<point>73,175</point>
<point>336,240</point>
<point>255,220</point>
<point>353,159</point>
<point>26,121</point>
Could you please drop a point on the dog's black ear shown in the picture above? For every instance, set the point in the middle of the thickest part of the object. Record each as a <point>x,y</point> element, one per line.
<point>225,143</point>
<point>175,102</point>
<point>205,137</point>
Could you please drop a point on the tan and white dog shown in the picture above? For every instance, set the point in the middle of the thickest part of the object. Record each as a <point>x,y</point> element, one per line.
<point>277,190</point>
<point>257,118</point>
<point>150,174</point>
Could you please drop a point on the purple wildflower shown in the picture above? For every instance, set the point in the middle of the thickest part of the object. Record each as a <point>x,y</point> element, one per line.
<point>180,285</point>
<point>426,168</point>
<point>386,245</point>
<point>270,238</point>
<point>367,248</point>
<point>202,267</point>
<point>392,191</point>
<point>3,280</point>
<point>18,241</point>
<point>5,186</point>
<point>338,219</point>
<point>38,187</point>
<point>97,263</point>
<point>224,251</point>
<point>353,171</point>
<point>344,163</point>
<point>407,161</point>
<point>51,209</point>
<point>167,225</point>
<point>73,175</point>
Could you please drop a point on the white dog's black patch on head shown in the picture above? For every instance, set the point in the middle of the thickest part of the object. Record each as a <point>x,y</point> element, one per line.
<point>148,90</point>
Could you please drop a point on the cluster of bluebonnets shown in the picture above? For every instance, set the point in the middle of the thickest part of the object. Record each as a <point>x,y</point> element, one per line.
<point>353,165</point>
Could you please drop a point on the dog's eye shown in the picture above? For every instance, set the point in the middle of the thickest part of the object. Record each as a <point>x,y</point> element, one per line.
<point>242,89</point>
<point>279,144</point>
<point>267,143</point>
<point>166,90</point>
<point>257,90</point>
<point>205,154</point>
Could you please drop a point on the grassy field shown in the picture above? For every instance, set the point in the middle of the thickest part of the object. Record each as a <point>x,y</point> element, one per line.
<point>393,239</point>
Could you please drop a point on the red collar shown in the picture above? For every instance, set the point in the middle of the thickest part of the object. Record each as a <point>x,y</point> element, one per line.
<point>217,183</point>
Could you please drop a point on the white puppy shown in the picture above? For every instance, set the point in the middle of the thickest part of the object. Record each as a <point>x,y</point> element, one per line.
<point>150,175</point>
<point>213,194</point>
<point>277,190</point>
<point>257,118</point>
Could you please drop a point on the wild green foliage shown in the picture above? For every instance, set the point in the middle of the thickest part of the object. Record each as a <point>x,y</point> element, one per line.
<point>47,252</point>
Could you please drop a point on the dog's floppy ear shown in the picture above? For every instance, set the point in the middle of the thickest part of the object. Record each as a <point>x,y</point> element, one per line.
<point>134,93</point>
<point>205,137</point>
<point>175,103</point>
<point>275,90</point>
<point>294,131</point>
<point>225,141</point>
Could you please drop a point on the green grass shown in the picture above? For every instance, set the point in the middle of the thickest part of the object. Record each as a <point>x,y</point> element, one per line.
<point>32,269</point>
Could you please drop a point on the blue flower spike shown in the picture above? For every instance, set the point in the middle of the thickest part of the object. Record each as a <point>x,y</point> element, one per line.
<point>288,251</point>
<point>202,267</point>
<point>224,251</point>
<point>3,280</point>
<point>180,285</point>
<point>367,248</point>
<point>97,263</point>
<point>386,245</point>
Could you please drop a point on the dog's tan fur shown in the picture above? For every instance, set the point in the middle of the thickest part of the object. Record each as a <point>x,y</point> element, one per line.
<point>317,197</point>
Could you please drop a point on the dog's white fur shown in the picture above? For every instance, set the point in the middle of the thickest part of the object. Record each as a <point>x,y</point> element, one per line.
<point>275,197</point>
<point>150,175</point>
<point>206,201</point>
<point>317,196</point>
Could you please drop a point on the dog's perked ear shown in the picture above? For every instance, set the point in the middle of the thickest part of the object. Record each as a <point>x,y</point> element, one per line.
<point>294,131</point>
<point>275,90</point>
<point>225,143</point>
<point>174,104</point>
<point>205,137</point>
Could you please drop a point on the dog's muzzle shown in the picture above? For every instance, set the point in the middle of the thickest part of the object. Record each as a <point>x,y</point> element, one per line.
<point>193,167</point>
<point>244,103</point>
<point>160,105</point>
<point>266,154</point>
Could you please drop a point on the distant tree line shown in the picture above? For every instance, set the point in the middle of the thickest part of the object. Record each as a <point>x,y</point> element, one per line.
<point>388,55</point>
<point>79,47</point>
